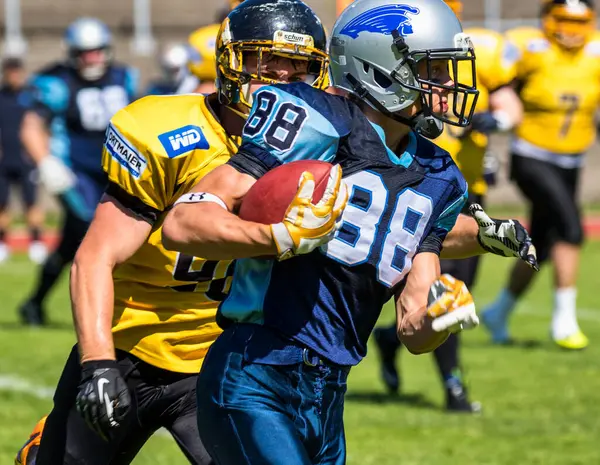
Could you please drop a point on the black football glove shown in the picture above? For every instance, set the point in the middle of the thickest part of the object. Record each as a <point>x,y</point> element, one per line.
<point>507,238</point>
<point>484,122</point>
<point>103,399</point>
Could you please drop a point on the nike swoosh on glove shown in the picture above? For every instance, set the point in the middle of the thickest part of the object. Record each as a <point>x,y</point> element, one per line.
<point>507,238</point>
<point>307,226</point>
<point>103,399</point>
<point>451,305</point>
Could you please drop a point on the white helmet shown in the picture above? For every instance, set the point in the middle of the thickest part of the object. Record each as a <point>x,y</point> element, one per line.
<point>173,63</point>
<point>86,34</point>
<point>376,46</point>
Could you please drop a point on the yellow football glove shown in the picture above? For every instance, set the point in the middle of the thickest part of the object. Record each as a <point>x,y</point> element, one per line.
<point>307,226</point>
<point>451,305</point>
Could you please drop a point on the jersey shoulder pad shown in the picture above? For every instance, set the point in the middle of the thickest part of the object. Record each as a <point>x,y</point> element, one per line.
<point>437,162</point>
<point>528,39</point>
<point>150,144</point>
<point>296,122</point>
<point>50,88</point>
<point>128,77</point>
<point>484,38</point>
<point>203,37</point>
<point>496,58</point>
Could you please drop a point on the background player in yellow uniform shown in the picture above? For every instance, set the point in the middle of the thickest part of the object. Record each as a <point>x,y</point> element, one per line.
<point>558,77</point>
<point>498,109</point>
<point>201,57</point>
<point>144,316</point>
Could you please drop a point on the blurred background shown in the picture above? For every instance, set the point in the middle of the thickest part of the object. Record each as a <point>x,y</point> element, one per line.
<point>540,405</point>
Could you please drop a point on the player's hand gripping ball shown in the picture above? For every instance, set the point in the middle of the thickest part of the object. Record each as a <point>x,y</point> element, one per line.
<point>451,305</point>
<point>303,201</point>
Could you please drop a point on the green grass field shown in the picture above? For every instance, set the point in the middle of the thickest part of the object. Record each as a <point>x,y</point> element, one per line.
<point>541,405</point>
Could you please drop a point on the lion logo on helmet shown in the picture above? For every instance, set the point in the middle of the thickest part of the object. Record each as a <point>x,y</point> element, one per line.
<point>382,20</point>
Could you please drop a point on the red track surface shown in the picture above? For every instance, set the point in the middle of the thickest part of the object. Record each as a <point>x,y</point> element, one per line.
<point>19,240</point>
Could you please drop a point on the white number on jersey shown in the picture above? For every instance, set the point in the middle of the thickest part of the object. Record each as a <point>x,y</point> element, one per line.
<point>97,106</point>
<point>402,238</point>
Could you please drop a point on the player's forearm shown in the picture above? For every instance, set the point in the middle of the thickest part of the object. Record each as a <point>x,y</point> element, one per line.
<point>461,241</point>
<point>206,230</point>
<point>35,137</point>
<point>413,322</point>
<point>92,296</point>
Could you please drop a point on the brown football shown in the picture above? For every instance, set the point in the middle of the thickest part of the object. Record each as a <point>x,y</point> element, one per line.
<point>268,199</point>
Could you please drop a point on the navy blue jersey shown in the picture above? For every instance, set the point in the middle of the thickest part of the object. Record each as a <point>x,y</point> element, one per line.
<point>329,300</point>
<point>78,111</point>
<point>11,116</point>
<point>161,87</point>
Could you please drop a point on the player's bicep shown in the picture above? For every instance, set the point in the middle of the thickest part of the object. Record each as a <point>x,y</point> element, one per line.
<point>228,184</point>
<point>114,235</point>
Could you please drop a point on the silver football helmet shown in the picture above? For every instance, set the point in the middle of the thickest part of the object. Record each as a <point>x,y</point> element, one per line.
<point>85,35</point>
<point>376,47</point>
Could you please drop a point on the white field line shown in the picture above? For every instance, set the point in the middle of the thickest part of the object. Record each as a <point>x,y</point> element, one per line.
<point>14,383</point>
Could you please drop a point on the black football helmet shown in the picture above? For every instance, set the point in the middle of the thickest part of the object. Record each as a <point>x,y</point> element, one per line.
<point>569,23</point>
<point>288,28</point>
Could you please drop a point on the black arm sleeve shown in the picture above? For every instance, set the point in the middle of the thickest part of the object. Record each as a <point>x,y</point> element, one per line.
<point>253,160</point>
<point>432,243</point>
<point>133,204</point>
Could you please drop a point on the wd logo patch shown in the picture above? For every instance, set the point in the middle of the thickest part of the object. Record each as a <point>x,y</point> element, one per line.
<point>183,140</point>
<point>124,152</point>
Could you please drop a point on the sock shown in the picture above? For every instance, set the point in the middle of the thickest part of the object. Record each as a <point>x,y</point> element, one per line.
<point>504,304</point>
<point>2,235</point>
<point>48,277</point>
<point>564,318</point>
<point>35,234</point>
<point>446,357</point>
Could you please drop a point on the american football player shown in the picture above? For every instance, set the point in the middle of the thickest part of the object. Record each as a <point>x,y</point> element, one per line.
<point>498,109</point>
<point>557,76</point>
<point>173,63</point>
<point>145,317</point>
<point>63,131</point>
<point>296,325</point>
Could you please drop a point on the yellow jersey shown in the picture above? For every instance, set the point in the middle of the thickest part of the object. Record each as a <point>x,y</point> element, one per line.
<point>494,69</point>
<point>165,303</point>
<point>560,90</point>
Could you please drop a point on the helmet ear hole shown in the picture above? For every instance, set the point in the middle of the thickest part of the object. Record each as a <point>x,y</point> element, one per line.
<point>365,67</point>
<point>383,81</point>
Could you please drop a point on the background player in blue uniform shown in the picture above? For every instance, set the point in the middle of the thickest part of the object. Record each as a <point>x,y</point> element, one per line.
<point>64,131</point>
<point>15,166</point>
<point>271,389</point>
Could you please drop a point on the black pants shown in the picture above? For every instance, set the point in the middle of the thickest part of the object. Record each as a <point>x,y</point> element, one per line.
<point>552,191</point>
<point>161,399</point>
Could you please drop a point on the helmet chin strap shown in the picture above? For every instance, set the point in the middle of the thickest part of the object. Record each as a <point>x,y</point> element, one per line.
<point>424,122</point>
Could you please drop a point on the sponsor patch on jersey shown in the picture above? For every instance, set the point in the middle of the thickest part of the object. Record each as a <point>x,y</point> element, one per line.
<point>183,140</point>
<point>124,152</point>
<point>383,20</point>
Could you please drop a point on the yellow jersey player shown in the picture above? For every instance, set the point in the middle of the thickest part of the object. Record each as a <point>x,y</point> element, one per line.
<point>498,109</point>
<point>145,317</point>
<point>201,57</point>
<point>558,75</point>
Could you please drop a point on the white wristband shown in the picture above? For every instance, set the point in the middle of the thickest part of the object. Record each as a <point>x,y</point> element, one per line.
<point>197,197</point>
<point>505,122</point>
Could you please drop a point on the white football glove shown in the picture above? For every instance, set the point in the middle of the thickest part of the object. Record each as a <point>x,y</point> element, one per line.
<point>451,305</point>
<point>507,238</point>
<point>307,226</point>
<point>55,176</point>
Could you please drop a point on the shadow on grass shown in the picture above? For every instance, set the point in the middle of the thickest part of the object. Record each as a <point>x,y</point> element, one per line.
<point>413,399</point>
<point>527,344</point>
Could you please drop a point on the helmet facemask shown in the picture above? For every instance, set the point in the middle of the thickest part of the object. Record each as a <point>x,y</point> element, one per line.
<point>234,78</point>
<point>406,87</point>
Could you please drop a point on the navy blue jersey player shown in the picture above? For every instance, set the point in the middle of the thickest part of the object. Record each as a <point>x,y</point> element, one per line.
<point>271,389</point>
<point>63,130</point>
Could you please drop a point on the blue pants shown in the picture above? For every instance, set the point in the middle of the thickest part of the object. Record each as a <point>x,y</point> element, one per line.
<point>251,413</point>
